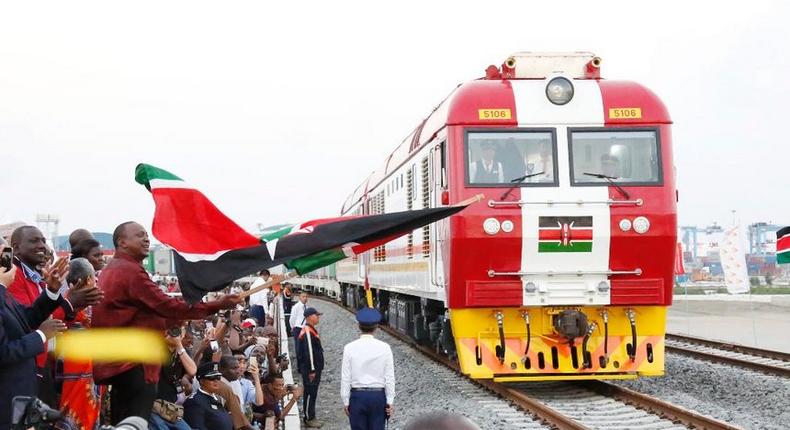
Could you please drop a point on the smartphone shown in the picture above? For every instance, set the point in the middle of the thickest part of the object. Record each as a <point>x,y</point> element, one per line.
<point>7,258</point>
<point>214,345</point>
<point>253,361</point>
<point>263,341</point>
<point>209,325</point>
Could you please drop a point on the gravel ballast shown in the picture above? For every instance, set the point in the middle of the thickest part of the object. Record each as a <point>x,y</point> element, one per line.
<point>422,385</point>
<point>744,398</point>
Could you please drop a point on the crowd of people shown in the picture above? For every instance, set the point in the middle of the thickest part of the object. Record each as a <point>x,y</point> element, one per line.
<point>224,367</point>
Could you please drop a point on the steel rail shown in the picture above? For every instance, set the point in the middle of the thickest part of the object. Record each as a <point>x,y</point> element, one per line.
<point>733,361</point>
<point>657,406</point>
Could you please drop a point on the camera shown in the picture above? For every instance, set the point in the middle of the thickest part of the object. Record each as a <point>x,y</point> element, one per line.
<point>174,331</point>
<point>282,357</point>
<point>7,258</point>
<point>30,412</point>
<point>290,388</point>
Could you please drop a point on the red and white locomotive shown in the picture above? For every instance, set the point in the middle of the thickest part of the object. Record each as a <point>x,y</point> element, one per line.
<point>565,269</point>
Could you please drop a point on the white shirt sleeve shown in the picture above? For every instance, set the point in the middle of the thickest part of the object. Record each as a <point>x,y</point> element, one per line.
<point>501,173</point>
<point>345,378</point>
<point>389,377</point>
<point>51,295</point>
<point>43,337</point>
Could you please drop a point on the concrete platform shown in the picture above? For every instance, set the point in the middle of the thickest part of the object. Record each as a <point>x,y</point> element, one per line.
<point>762,321</point>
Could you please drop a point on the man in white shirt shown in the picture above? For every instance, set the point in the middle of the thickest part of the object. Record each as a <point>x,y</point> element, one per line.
<point>259,301</point>
<point>367,382</point>
<point>296,321</point>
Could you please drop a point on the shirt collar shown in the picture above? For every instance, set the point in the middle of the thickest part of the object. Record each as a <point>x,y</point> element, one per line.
<point>31,274</point>
<point>208,394</point>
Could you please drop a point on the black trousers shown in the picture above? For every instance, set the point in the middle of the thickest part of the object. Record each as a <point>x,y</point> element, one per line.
<point>131,396</point>
<point>46,387</point>
<point>310,395</point>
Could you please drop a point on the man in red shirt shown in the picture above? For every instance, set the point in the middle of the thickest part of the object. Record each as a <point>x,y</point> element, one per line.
<point>131,299</point>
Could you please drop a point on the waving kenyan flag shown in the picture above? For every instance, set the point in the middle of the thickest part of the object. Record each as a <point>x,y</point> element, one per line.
<point>212,250</point>
<point>783,245</point>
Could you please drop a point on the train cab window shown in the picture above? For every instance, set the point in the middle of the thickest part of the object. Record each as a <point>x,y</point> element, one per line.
<point>497,158</point>
<point>625,157</point>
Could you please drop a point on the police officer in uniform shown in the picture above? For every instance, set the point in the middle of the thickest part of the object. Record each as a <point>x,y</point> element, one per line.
<point>204,410</point>
<point>367,382</point>
<point>310,358</point>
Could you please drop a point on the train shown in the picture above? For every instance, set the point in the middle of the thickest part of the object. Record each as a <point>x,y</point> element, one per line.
<point>565,269</point>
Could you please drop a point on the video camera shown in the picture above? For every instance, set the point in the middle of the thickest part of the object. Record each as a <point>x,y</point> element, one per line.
<point>30,412</point>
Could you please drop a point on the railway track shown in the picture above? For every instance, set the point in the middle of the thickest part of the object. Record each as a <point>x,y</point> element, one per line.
<point>772,362</point>
<point>580,405</point>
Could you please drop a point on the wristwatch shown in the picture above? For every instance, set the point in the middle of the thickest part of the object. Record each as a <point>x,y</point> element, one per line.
<point>181,351</point>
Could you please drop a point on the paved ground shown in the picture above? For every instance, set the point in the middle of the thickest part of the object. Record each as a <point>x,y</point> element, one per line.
<point>759,324</point>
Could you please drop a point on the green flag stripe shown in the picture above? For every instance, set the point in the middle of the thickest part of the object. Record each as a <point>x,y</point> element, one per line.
<point>783,257</point>
<point>316,261</point>
<point>576,246</point>
<point>144,173</point>
<point>276,232</point>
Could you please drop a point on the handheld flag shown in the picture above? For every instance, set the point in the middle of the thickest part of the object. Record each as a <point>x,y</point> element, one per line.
<point>783,245</point>
<point>212,250</point>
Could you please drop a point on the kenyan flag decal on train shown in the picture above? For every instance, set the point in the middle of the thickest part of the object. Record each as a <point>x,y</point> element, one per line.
<point>565,234</point>
<point>212,250</point>
<point>783,245</point>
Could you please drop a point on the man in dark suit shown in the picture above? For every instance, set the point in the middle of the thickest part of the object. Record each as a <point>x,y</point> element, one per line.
<point>24,332</point>
<point>310,355</point>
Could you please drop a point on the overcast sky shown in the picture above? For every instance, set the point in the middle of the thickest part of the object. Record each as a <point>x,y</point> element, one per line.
<point>277,110</point>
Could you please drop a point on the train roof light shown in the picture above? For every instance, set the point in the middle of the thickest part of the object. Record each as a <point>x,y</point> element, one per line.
<point>559,91</point>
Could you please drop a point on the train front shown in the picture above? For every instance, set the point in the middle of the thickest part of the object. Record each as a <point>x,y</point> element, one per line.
<point>565,270</point>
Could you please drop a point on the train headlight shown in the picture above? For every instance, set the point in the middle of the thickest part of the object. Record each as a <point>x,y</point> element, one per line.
<point>491,226</point>
<point>507,226</point>
<point>625,224</point>
<point>641,225</point>
<point>559,91</point>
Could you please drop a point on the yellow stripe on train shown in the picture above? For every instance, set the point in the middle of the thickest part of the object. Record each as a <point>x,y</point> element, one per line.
<point>550,356</point>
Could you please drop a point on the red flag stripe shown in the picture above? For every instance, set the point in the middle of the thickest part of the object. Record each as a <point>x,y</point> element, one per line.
<point>187,221</point>
<point>556,234</point>
<point>783,244</point>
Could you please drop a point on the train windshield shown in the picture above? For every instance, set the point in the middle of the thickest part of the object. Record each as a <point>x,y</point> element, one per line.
<point>522,158</point>
<point>625,157</point>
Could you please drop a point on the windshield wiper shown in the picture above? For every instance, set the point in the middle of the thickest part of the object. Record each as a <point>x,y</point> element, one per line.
<point>610,180</point>
<point>516,182</point>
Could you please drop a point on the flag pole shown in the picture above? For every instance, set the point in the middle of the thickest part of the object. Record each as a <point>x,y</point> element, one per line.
<point>275,280</point>
<point>471,200</point>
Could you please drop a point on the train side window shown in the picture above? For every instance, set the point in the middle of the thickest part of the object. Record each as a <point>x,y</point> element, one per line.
<point>526,158</point>
<point>628,157</point>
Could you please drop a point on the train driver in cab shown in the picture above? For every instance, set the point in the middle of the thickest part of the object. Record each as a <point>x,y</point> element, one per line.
<point>540,164</point>
<point>610,166</point>
<point>487,170</point>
